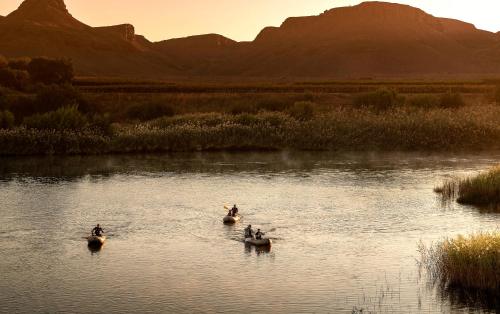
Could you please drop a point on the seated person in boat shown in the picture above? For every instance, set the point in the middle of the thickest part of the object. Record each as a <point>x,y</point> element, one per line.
<point>97,231</point>
<point>248,232</point>
<point>234,210</point>
<point>259,234</point>
<point>230,213</point>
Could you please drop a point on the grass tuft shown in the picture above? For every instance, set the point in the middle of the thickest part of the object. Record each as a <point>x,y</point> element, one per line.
<point>481,190</point>
<point>471,262</point>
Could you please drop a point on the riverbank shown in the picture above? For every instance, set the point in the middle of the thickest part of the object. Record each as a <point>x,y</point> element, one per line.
<point>341,129</point>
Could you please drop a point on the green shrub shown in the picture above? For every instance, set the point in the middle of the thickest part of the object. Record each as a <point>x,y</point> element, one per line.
<point>101,123</point>
<point>451,100</point>
<point>53,97</point>
<point>381,99</point>
<point>50,71</point>
<point>149,111</point>
<point>7,119</point>
<point>302,110</point>
<point>66,118</point>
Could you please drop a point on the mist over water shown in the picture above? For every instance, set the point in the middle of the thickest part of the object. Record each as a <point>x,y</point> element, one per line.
<point>345,229</point>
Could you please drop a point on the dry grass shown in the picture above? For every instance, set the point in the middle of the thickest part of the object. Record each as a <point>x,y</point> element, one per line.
<point>482,190</point>
<point>342,128</point>
<point>471,262</point>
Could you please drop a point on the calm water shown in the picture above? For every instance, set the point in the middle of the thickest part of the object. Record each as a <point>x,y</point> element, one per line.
<point>345,230</point>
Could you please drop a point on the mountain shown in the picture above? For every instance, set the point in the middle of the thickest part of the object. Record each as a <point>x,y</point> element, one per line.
<point>46,28</point>
<point>52,13</point>
<point>373,38</point>
<point>370,39</point>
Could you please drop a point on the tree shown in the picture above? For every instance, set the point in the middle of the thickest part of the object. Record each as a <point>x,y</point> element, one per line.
<point>50,71</point>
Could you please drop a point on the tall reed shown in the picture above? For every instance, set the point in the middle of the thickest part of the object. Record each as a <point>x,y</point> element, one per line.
<point>468,262</point>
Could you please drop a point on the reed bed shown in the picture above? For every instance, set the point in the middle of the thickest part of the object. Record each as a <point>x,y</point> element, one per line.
<point>482,190</point>
<point>465,262</point>
<point>342,128</point>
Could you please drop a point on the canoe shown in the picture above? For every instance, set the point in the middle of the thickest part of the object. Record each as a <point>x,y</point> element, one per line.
<point>96,241</point>
<point>262,242</point>
<point>231,219</point>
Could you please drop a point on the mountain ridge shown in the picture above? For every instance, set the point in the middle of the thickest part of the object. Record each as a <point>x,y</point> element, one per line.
<point>370,39</point>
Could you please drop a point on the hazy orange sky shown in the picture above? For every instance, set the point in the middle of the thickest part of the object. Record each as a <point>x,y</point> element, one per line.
<point>241,19</point>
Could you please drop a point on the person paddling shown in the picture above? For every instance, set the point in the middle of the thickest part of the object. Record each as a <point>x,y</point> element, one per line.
<point>97,231</point>
<point>234,210</point>
<point>249,232</point>
<point>259,234</point>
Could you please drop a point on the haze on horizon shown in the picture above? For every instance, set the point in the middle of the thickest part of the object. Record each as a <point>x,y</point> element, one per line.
<point>242,20</point>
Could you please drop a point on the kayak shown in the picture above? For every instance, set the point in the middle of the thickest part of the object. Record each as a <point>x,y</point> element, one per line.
<point>96,241</point>
<point>231,219</point>
<point>262,242</point>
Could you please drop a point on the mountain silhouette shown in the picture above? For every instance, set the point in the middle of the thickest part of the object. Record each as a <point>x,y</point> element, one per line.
<point>369,39</point>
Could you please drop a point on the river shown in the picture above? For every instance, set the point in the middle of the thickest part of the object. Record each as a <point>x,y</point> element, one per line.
<point>345,230</point>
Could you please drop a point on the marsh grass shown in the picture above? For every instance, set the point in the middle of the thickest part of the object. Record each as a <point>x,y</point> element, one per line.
<point>469,265</point>
<point>482,190</point>
<point>341,128</point>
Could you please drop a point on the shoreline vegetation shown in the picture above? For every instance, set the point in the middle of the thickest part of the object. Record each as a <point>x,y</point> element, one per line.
<point>44,111</point>
<point>482,190</point>
<point>343,129</point>
<point>466,267</point>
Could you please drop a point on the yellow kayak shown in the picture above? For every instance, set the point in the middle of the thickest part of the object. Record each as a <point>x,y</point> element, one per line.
<point>231,219</point>
<point>96,241</point>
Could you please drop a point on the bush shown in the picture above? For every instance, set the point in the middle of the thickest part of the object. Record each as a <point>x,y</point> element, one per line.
<point>149,111</point>
<point>451,100</point>
<point>3,62</point>
<point>101,123</point>
<point>7,119</point>
<point>66,118</point>
<point>20,64</point>
<point>423,101</point>
<point>302,110</point>
<point>381,99</point>
<point>50,71</point>
<point>15,79</point>
<point>53,97</point>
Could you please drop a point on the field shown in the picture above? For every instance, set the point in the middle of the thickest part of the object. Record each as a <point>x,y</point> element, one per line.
<point>113,116</point>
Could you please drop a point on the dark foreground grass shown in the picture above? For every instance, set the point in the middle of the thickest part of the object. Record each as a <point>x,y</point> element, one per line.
<point>343,128</point>
<point>482,190</point>
<point>466,267</point>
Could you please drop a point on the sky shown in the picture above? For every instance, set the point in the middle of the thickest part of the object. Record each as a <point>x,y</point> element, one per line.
<point>242,19</point>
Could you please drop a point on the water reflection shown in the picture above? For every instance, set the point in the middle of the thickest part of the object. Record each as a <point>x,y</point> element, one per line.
<point>258,250</point>
<point>95,249</point>
<point>53,169</point>
<point>347,229</point>
<point>461,298</point>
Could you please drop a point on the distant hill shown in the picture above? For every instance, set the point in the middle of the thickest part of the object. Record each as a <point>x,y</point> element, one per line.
<point>370,39</point>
